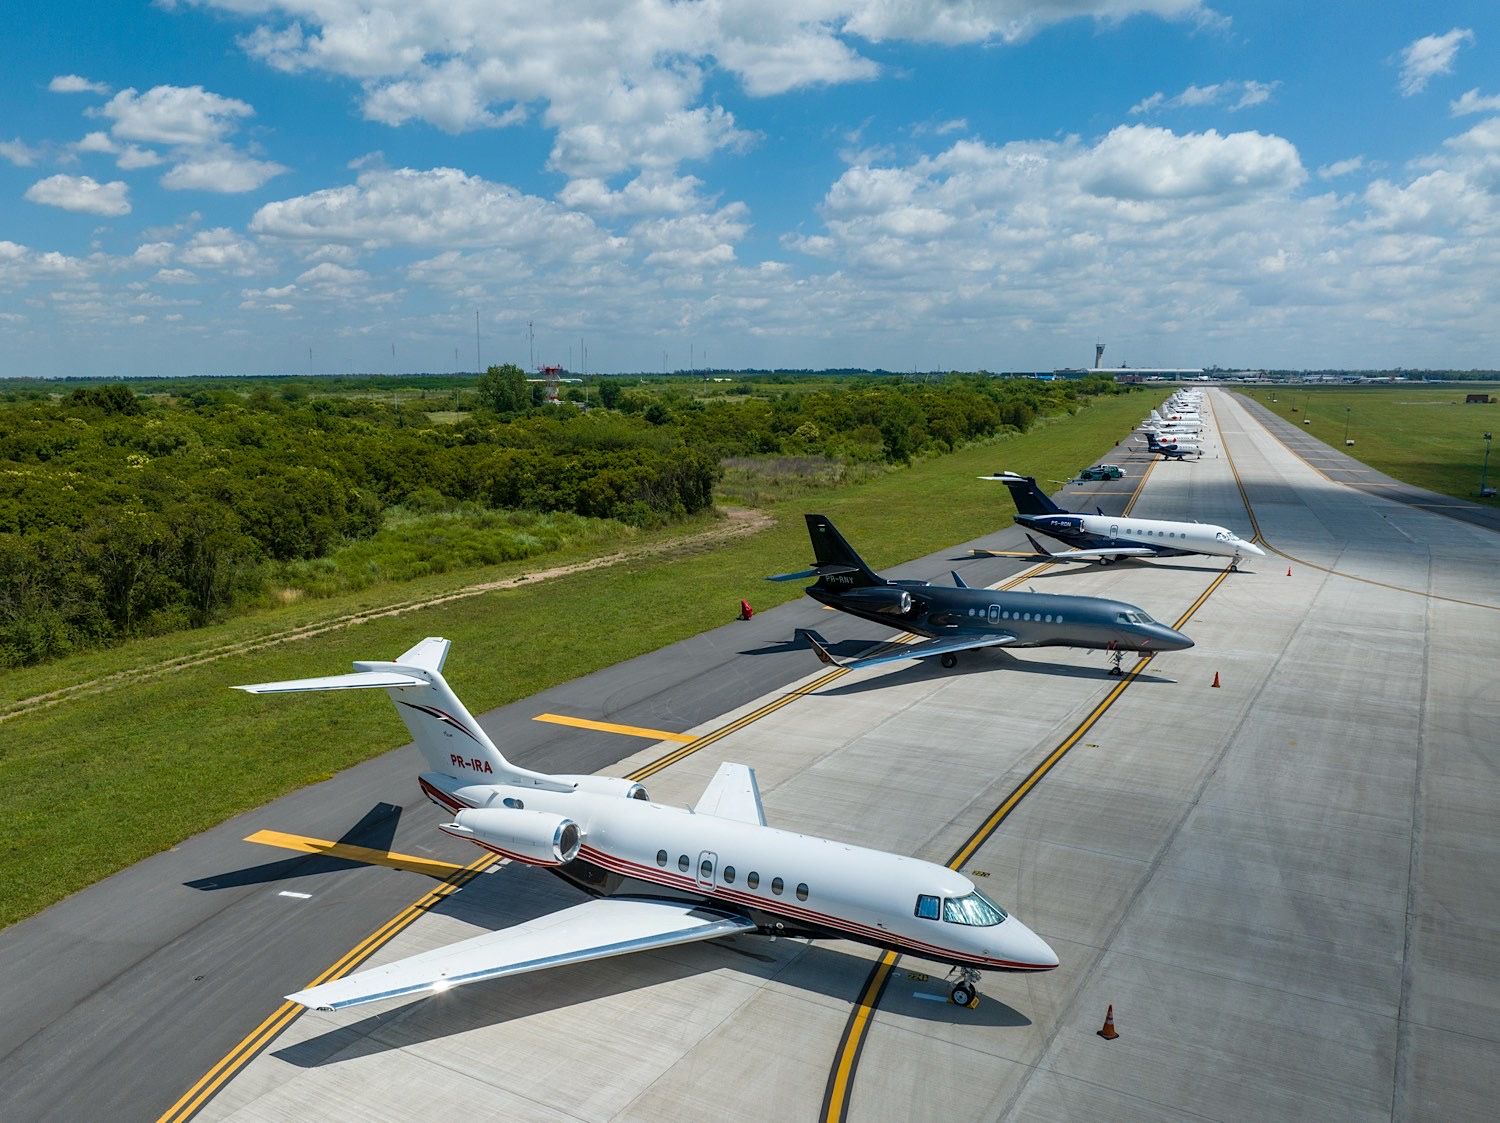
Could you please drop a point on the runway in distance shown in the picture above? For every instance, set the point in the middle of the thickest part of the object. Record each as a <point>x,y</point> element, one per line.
<point>658,875</point>
<point>959,618</point>
<point>1107,538</point>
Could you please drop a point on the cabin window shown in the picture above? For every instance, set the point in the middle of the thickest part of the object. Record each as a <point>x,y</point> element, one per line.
<point>802,891</point>
<point>927,907</point>
<point>976,909</point>
<point>513,803</point>
<point>682,863</point>
<point>661,858</point>
<point>753,880</point>
<point>777,885</point>
<point>728,875</point>
<point>705,869</point>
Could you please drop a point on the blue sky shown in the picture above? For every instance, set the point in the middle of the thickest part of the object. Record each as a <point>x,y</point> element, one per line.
<point>223,186</point>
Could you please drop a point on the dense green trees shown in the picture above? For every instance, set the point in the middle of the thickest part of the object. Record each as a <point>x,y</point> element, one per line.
<point>123,514</point>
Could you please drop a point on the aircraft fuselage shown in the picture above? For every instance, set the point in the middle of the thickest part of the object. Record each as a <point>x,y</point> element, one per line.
<point>1036,619</point>
<point>788,883</point>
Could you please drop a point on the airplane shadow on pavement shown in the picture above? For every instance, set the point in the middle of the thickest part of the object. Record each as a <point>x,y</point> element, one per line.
<point>979,663</point>
<point>376,830</point>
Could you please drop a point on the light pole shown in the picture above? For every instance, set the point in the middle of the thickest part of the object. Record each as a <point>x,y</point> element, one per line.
<point>1484,473</point>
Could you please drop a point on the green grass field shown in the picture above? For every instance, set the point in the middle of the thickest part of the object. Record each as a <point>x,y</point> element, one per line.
<point>1421,435</point>
<point>92,785</point>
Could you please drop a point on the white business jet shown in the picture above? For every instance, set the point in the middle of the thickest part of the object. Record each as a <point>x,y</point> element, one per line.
<point>659,875</point>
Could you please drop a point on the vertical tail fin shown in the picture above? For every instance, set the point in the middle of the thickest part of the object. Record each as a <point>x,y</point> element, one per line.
<point>447,735</point>
<point>837,563</point>
<point>1030,499</point>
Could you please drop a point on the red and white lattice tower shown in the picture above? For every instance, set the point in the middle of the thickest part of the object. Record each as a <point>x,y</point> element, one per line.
<point>550,375</point>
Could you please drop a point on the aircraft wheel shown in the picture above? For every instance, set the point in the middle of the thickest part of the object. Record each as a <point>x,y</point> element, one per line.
<point>961,995</point>
<point>949,660</point>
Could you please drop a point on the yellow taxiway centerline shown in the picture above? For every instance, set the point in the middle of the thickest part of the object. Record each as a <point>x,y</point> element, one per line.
<point>611,727</point>
<point>410,862</point>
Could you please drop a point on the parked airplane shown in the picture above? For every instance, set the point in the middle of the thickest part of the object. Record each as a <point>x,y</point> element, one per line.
<point>1173,448</point>
<point>962,619</point>
<point>1105,538</point>
<point>659,875</point>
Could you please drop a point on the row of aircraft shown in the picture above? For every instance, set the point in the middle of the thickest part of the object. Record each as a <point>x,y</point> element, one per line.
<point>658,875</point>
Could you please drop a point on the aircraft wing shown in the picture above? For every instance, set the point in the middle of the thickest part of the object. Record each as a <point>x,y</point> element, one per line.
<point>732,794</point>
<point>1095,555</point>
<point>595,929</point>
<point>941,646</point>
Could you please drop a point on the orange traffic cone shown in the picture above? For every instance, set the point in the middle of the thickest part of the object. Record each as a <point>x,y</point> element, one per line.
<point>1215,682</point>
<point>1288,571</point>
<point>745,610</point>
<point>1108,1032</point>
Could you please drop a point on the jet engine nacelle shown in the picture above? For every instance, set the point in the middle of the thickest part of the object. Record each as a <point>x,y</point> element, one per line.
<point>881,598</point>
<point>607,785</point>
<point>538,838</point>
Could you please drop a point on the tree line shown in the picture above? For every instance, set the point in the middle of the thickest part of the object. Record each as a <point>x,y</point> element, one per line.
<point>124,514</point>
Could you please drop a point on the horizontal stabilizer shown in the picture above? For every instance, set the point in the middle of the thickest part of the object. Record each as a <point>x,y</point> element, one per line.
<point>595,929</point>
<point>815,571</point>
<point>360,680</point>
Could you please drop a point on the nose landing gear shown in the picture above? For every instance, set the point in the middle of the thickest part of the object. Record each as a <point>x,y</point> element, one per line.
<point>1116,657</point>
<point>965,991</point>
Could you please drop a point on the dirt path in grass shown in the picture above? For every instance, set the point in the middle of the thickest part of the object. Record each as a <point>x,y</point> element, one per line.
<point>738,523</point>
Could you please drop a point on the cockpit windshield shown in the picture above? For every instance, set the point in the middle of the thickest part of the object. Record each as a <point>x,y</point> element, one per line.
<point>1133,618</point>
<point>976,909</point>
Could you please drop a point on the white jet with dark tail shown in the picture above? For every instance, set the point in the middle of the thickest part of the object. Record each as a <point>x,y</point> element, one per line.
<point>658,875</point>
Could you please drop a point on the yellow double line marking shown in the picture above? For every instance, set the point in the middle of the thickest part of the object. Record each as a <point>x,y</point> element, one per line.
<point>857,1029</point>
<point>258,1038</point>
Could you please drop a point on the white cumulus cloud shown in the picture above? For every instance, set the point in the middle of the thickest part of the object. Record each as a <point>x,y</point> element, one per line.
<point>184,115</point>
<point>1425,58</point>
<point>75,84</point>
<point>1235,95</point>
<point>442,207</point>
<point>1142,163</point>
<point>622,85</point>
<point>220,169</point>
<point>81,193</point>
<point>1472,101</point>
<point>19,153</point>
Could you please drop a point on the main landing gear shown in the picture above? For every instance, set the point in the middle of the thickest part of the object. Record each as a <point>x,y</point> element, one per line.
<point>965,992</point>
<point>949,660</point>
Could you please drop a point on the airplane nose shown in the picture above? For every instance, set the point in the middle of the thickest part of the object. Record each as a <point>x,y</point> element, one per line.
<point>1022,945</point>
<point>1252,548</point>
<point>1173,640</point>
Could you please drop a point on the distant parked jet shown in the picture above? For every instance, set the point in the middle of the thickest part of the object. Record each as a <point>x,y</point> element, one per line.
<point>1172,448</point>
<point>1105,538</point>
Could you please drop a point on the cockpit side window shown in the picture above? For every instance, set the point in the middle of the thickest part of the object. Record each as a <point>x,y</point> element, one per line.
<point>927,907</point>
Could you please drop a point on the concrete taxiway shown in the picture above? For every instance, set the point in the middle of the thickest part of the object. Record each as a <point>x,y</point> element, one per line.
<point>1285,884</point>
<point>1281,884</point>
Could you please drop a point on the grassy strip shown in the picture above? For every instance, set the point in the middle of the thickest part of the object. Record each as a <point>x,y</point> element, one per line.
<point>96,784</point>
<point>1425,436</point>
